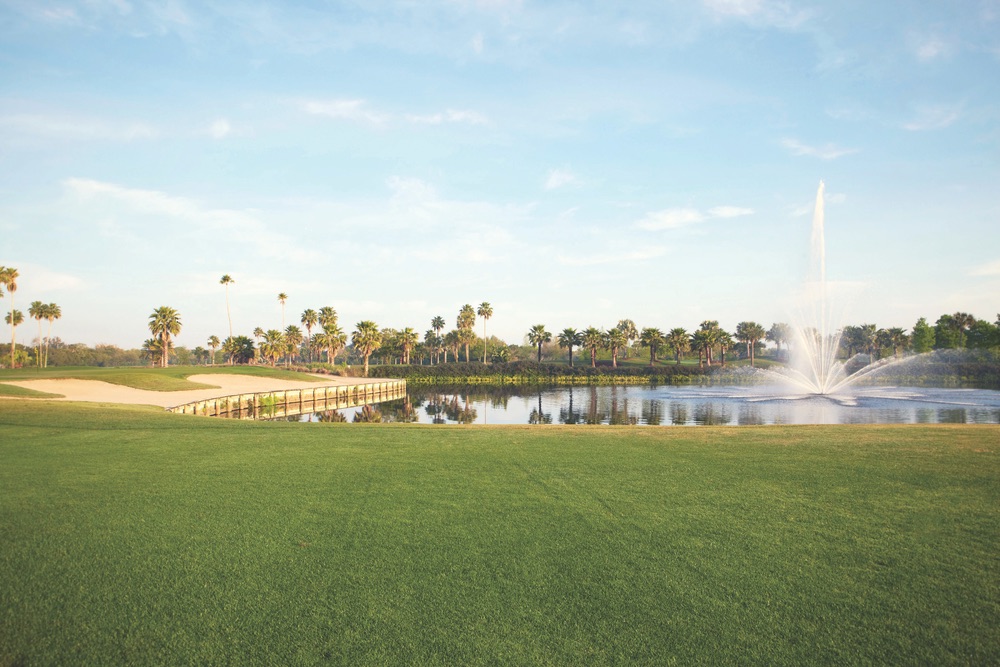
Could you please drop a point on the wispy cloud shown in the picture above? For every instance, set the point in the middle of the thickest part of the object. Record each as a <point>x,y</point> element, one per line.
<point>450,116</point>
<point>674,218</point>
<point>77,129</point>
<point>931,48</point>
<point>558,178</point>
<point>825,152</point>
<point>933,118</point>
<point>220,128</point>
<point>351,110</point>
<point>762,12</point>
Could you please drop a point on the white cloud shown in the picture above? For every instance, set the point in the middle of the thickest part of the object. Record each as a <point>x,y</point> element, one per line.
<point>450,116</point>
<point>558,178</point>
<point>827,152</point>
<point>353,110</point>
<point>933,118</point>
<point>764,12</point>
<point>988,269</point>
<point>674,218</point>
<point>220,129</point>
<point>931,48</point>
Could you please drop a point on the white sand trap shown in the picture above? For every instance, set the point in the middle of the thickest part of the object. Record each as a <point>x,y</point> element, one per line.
<point>95,391</point>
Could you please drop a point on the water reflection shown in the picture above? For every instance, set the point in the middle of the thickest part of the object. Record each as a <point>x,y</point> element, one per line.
<point>678,406</point>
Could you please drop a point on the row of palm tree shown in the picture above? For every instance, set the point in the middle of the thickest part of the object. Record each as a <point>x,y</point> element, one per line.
<point>38,310</point>
<point>44,311</point>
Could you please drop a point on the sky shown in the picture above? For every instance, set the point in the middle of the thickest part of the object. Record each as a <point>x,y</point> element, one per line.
<point>572,163</point>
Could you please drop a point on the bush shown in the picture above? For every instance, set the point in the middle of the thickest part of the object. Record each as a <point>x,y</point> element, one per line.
<point>534,372</point>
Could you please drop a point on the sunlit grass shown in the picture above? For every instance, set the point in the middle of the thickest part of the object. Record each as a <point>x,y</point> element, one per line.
<point>173,378</point>
<point>131,536</point>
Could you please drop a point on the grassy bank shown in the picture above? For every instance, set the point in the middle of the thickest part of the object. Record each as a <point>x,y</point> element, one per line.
<point>135,536</point>
<point>173,378</point>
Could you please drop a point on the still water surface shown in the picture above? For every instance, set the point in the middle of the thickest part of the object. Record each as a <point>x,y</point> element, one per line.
<point>679,406</point>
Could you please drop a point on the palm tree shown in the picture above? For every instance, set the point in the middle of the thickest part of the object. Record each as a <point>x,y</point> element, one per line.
<point>293,339</point>
<point>897,339</point>
<point>628,328</point>
<point>466,322</point>
<point>258,333</point>
<point>569,338</point>
<point>14,318</point>
<point>652,338</point>
<point>309,319</point>
<point>226,280</point>
<point>165,322</point>
<point>725,341</point>
<point>537,335</point>
<point>679,342</point>
<point>52,313</point>
<point>213,343</point>
<point>282,298</point>
<point>327,318</point>
<point>408,339</point>
<point>8,278</point>
<point>750,333</point>
<point>333,339</point>
<point>778,334</point>
<point>37,311</point>
<point>701,342</point>
<point>711,335</point>
<point>366,338</point>
<point>452,341</point>
<point>592,338</point>
<point>484,311</point>
<point>273,346</point>
<point>152,350</point>
<point>615,339</point>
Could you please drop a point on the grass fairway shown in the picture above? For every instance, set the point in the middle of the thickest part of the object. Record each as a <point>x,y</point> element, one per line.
<point>131,536</point>
<point>173,378</point>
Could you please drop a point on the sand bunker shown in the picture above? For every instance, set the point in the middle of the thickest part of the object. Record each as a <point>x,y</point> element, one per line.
<point>104,392</point>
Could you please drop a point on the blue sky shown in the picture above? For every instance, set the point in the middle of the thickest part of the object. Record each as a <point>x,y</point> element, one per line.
<point>571,163</point>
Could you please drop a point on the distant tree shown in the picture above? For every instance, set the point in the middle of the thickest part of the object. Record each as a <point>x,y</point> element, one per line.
<point>213,343</point>
<point>227,280</point>
<point>408,339</point>
<point>628,328</point>
<point>710,334</point>
<point>537,335</point>
<point>652,338</point>
<point>164,323</point>
<point>701,342</point>
<point>293,339</point>
<point>922,338</point>
<point>452,341</point>
<point>949,333</point>
<point>437,323</point>
<point>327,317</point>
<point>570,338</point>
<point>8,279</point>
<point>750,333</point>
<point>779,334</point>
<point>678,341</point>
<point>273,346</point>
<point>309,319</point>
<point>869,340</point>
<point>466,322</point>
<point>282,298</point>
<point>897,340</point>
<point>37,311</point>
<point>593,340</point>
<point>52,313</point>
<point>366,338</point>
<point>615,339</point>
<point>258,333</point>
<point>485,311</point>
<point>983,335</point>
<point>152,349</point>
<point>239,349</point>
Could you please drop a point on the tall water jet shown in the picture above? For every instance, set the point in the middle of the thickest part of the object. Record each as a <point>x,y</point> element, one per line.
<point>815,367</point>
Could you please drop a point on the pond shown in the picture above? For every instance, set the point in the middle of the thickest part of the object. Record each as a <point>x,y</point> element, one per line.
<point>677,406</point>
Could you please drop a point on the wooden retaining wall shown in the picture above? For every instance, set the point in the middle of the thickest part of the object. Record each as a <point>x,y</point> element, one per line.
<point>278,404</point>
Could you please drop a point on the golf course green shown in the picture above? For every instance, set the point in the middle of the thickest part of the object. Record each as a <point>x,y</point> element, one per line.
<point>133,536</point>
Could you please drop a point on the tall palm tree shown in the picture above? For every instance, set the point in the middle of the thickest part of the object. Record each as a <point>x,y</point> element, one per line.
<point>327,317</point>
<point>213,343</point>
<point>282,298</point>
<point>293,339</point>
<point>226,281</point>
<point>366,338</point>
<point>750,333</point>
<point>652,338</point>
<point>484,311</point>
<point>437,323</point>
<point>465,323</point>
<point>8,278</point>
<point>710,329</point>
<point>37,311</point>
<point>52,313</point>
<point>537,335</point>
<point>615,339</point>
<point>679,342</point>
<point>569,338</point>
<point>628,328</point>
<point>309,319</point>
<point>593,339</point>
<point>165,322</point>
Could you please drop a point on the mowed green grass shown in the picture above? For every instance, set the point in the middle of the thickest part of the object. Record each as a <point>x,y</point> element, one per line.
<point>173,378</point>
<point>131,536</point>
